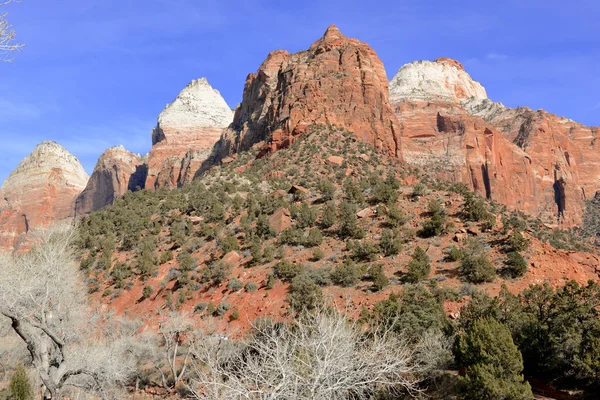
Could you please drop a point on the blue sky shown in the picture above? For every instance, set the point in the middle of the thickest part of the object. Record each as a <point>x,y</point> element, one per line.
<point>96,73</point>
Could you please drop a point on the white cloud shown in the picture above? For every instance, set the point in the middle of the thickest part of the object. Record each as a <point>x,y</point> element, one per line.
<point>17,110</point>
<point>496,56</point>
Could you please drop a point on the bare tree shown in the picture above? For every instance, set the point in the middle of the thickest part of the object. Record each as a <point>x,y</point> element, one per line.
<point>170,350</point>
<point>8,36</point>
<point>42,295</point>
<point>321,356</point>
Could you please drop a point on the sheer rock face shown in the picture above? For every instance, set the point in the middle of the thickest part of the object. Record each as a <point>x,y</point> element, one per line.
<point>13,228</point>
<point>185,133</point>
<point>337,81</point>
<point>442,78</point>
<point>566,153</point>
<point>116,172</point>
<point>41,191</point>
<point>451,144</point>
<point>529,160</point>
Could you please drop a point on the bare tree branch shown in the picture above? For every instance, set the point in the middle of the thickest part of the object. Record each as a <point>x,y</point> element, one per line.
<point>8,36</point>
<point>323,355</point>
<point>42,295</point>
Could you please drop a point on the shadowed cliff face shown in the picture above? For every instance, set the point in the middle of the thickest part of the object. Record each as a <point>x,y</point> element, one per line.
<point>116,172</point>
<point>337,81</point>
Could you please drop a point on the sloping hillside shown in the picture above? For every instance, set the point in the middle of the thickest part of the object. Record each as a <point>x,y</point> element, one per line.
<point>330,210</point>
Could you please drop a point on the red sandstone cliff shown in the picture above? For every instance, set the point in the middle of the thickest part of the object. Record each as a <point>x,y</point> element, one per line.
<point>185,133</point>
<point>529,160</point>
<point>41,191</point>
<point>337,81</point>
<point>116,172</point>
<point>565,153</point>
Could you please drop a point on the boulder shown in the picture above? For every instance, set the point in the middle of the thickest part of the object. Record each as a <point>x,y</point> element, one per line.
<point>365,213</point>
<point>335,160</point>
<point>280,220</point>
<point>232,258</point>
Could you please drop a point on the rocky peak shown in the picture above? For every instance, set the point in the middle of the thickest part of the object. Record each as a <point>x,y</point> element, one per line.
<point>46,157</point>
<point>332,37</point>
<point>530,160</point>
<point>333,33</point>
<point>117,153</point>
<point>116,172</point>
<point>39,192</point>
<point>197,105</point>
<point>186,131</point>
<point>338,81</point>
<point>450,61</point>
<point>443,78</point>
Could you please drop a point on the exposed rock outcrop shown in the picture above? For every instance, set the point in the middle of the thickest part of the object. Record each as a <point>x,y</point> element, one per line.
<point>13,228</point>
<point>453,145</point>
<point>442,78</point>
<point>337,81</point>
<point>185,133</point>
<point>116,172</point>
<point>565,153</point>
<point>529,160</point>
<point>40,191</point>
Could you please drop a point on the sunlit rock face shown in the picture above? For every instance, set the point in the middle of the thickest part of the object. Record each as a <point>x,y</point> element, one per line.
<point>529,160</point>
<point>185,133</point>
<point>42,190</point>
<point>565,153</point>
<point>337,81</point>
<point>442,79</point>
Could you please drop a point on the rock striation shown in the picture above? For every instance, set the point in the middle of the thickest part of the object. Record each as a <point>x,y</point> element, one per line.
<point>185,133</point>
<point>40,191</point>
<point>116,172</point>
<point>337,81</point>
<point>529,160</point>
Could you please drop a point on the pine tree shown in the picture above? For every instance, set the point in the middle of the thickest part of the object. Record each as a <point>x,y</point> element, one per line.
<point>493,364</point>
<point>419,267</point>
<point>328,216</point>
<point>20,388</point>
<point>477,269</point>
<point>377,275</point>
<point>515,265</point>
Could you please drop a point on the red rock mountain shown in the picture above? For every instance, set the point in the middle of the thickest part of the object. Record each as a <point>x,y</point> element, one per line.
<point>116,172</point>
<point>338,81</point>
<point>432,114</point>
<point>185,133</point>
<point>529,160</point>
<point>565,154</point>
<point>41,191</point>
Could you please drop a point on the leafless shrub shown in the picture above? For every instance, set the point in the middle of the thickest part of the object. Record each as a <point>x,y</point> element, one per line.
<point>170,348</point>
<point>323,355</point>
<point>42,296</point>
